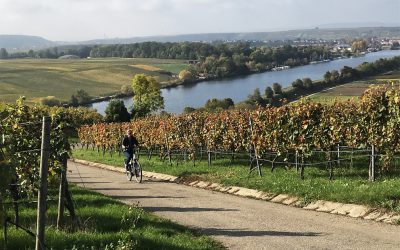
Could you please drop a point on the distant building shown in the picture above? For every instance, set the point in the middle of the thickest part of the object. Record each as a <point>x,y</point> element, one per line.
<point>69,57</point>
<point>192,62</point>
<point>342,47</point>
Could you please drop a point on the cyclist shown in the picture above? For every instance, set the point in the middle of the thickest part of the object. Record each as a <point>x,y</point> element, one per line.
<point>128,144</point>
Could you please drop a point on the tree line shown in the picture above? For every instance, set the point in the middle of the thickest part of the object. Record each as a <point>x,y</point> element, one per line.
<point>214,58</point>
<point>218,60</point>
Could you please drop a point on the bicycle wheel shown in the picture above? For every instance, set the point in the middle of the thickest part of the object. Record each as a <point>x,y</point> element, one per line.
<point>137,169</point>
<point>129,173</point>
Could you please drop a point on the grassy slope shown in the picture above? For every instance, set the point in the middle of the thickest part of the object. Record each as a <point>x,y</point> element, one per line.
<point>350,185</point>
<point>37,78</point>
<point>174,68</point>
<point>103,224</point>
<point>352,90</point>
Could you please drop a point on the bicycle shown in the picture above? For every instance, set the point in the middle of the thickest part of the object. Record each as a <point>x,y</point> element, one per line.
<point>136,171</point>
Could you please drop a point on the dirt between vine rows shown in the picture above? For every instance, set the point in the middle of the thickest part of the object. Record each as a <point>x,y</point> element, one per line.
<point>240,223</point>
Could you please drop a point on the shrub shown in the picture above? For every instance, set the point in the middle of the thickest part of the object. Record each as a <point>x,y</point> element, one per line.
<point>50,101</point>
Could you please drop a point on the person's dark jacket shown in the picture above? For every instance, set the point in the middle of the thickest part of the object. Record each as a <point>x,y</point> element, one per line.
<point>129,143</point>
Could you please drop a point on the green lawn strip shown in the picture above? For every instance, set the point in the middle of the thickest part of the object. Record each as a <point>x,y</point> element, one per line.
<point>330,99</point>
<point>172,67</point>
<point>353,90</point>
<point>350,184</point>
<point>106,222</point>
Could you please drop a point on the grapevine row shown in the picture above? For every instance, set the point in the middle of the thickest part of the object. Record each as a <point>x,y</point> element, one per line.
<point>20,141</point>
<point>301,127</point>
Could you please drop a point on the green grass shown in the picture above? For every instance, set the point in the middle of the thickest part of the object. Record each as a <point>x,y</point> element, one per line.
<point>36,78</point>
<point>353,90</point>
<point>172,67</point>
<point>2,106</point>
<point>343,92</point>
<point>105,222</point>
<point>350,184</point>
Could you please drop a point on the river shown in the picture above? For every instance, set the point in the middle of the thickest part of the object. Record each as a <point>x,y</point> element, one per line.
<point>238,88</point>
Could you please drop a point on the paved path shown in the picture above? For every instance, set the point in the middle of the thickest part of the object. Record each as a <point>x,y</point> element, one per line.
<point>240,223</point>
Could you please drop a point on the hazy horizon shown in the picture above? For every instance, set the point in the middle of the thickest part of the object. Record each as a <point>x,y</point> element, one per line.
<point>77,20</point>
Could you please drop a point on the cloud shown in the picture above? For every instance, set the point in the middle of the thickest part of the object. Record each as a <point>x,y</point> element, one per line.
<point>88,19</point>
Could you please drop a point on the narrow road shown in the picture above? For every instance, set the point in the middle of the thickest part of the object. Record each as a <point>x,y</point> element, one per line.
<point>240,223</point>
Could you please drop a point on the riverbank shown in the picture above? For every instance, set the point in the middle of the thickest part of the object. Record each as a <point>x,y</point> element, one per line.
<point>239,88</point>
<point>176,83</point>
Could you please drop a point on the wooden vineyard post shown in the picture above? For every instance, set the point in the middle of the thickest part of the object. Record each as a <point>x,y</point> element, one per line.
<point>168,150</point>
<point>194,158</point>
<point>351,158</point>
<point>372,165</point>
<point>4,219</point>
<point>302,167</point>
<point>331,164</point>
<point>61,195</point>
<point>255,150</point>
<point>42,195</point>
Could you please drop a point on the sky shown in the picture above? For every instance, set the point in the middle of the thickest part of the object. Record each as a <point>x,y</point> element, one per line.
<point>74,20</point>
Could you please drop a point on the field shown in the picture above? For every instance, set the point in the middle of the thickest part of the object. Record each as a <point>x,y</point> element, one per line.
<point>352,90</point>
<point>36,78</point>
<point>341,93</point>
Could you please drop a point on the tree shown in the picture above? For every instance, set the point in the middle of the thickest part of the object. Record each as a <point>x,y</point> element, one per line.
<point>269,93</point>
<point>147,95</point>
<point>335,76</point>
<point>298,84</point>
<point>256,98</point>
<point>50,101</point>
<point>347,73</point>
<point>277,88</point>
<point>359,46</point>
<point>3,53</point>
<point>367,69</point>
<point>188,110</point>
<point>31,53</point>
<point>215,104</point>
<point>82,96</point>
<point>327,77</point>
<point>186,76</point>
<point>74,101</point>
<point>126,90</point>
<point>116,111</point>
<point>307,82</point>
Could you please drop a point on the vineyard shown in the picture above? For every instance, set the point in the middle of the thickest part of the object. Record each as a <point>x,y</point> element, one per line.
<point>299,134</point>
<point>21,148</point>
<point>90,220</point>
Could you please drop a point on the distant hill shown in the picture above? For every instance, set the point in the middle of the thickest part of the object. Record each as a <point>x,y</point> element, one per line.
<point>21,42</point>
<point>316,33</point>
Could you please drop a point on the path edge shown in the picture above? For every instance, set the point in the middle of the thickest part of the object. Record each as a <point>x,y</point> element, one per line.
<point>350,210</point>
